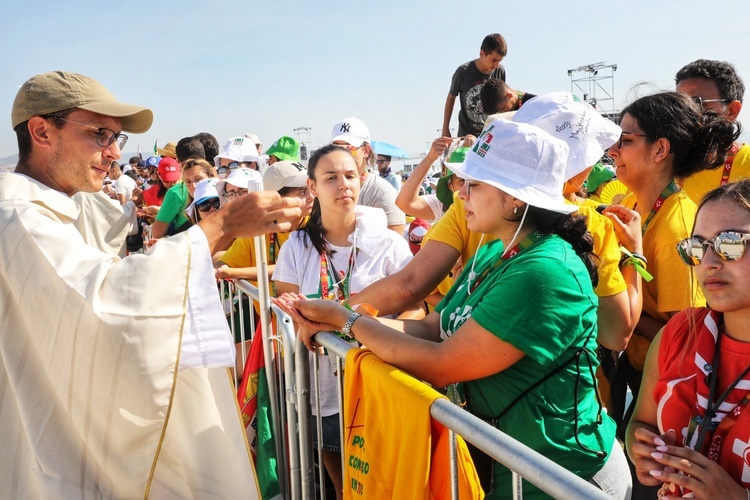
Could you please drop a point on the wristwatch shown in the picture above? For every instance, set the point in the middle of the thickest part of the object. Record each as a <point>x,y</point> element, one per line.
<point>347,328</point>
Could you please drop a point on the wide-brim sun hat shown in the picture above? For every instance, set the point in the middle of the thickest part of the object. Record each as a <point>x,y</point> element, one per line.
<point>442,191</point>
<point>204,191</point>
<point>243,178</point>
<point>289,174</point>
<point>285,148</point>
<point>521,160</point>
<point>59,90</point>
<point>169,150</point>
<point>239,149</point>
<point>565,116</point>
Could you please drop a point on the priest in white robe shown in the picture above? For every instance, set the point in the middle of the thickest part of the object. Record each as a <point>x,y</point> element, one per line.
<point>113,378</point>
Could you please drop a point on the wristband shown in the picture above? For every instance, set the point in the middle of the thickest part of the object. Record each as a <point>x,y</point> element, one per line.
<point>347,328</point>
<point>637,260</point>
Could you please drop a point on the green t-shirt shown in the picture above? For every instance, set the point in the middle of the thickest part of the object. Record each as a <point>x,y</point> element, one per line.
<point>542,302</point>
<point>174,205</point>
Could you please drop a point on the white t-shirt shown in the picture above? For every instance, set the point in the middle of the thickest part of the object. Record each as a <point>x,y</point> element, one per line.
<point>377,192</point>
<point>380,253</point>
<point>125,185</point>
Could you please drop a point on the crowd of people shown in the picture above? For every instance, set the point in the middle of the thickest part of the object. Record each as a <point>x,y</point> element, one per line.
<point>507,283</point>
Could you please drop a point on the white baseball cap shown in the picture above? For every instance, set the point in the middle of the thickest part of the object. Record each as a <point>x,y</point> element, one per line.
<point>351,130</point>
<point>244,178</point>
<point>521,160</point>
<point>565,116</point>
<point>239,149</point>
<point>285,174</point>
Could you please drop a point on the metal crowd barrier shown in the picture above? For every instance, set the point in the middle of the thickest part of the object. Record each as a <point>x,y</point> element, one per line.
<point>289,381</point>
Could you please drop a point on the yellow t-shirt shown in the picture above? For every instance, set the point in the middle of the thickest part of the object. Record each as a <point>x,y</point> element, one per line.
<point>674,286</point>
<point>452,230</point>
<point>242,251</point>
<point>697,185</point>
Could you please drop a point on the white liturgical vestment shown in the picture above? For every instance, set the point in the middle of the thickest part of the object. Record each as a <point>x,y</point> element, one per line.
<point>95,401</point>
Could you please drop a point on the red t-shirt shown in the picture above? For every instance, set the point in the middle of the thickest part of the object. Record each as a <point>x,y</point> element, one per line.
<point>681,379</point>
<point>151,196</point>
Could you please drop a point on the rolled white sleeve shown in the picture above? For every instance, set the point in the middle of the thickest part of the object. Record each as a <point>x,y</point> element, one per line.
<point>206,339</point>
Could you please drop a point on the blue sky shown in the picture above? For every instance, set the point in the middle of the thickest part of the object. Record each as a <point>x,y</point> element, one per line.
<point>270,67</point>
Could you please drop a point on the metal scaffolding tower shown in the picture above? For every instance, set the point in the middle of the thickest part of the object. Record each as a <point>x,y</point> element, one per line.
<point>303,136</point>
<point>596,84</point>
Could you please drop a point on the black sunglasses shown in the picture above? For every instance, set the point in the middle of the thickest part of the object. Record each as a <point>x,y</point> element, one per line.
<point>208,205</point>
<point>619,141</point>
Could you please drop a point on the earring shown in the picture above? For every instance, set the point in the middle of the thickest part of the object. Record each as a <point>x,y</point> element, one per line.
<point>515,210</point>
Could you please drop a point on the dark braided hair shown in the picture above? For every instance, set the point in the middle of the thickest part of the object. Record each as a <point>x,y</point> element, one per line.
<point>570,227</point>
<point>313,231</point>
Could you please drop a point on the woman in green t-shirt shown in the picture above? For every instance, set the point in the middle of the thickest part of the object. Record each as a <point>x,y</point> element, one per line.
<point>517,330</point>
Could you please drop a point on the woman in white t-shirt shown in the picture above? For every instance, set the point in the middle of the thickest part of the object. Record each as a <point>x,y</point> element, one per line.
<point>343,248</point>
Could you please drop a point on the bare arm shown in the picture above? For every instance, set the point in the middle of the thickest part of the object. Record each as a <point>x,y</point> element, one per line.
<point>618,314</point>
<point>408,198</point>
<point>398,229</point>
<point>159,229</point>
<point>447,113</point>
<point>224,271</point>
<point>413,283</point>
<point>470,353</point>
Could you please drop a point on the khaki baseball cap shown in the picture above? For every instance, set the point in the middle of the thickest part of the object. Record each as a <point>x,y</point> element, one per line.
<point>59,90</point>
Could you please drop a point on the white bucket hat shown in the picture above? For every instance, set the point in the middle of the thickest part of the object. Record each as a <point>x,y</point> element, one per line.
<point>239,149</point>
<point>351,130</point>
<point>521,160</point>
<point>285,174</point>
<point>565,116</point>
<point>204,191</point>
<point>244,178</point>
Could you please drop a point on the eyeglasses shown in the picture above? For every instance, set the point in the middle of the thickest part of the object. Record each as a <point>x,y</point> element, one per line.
<point>208,205</point>
<point>701,101</point>
<point>104,136</point>
<point>619,141</point>
<point>232,166</point>
<point>349,147</point>
<point>729,246</point>
<point>230,195</point>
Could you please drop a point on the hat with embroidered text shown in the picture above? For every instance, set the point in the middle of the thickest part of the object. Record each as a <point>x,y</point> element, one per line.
<point>169,169</point>
<point>59,90</point>
<point>285,174</point>
<point>239,149</point>
<point>204,191</point>
<point>169,150</point>
<point>521,160</point>
<point>243,178</point>
<point>351,130</point>
<point>285,148</point>
<point>565,116</point>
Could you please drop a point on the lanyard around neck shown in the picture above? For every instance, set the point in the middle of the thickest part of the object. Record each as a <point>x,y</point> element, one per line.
<point>728,165</point>
<point>528,241</point>
<point>333,286</point>
<point>668,191</point>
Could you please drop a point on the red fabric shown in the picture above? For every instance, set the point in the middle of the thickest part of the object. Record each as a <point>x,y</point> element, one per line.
<point>247,394</point>
<point>151,196</point>
<point>682,380</point>
<point>417,229</point>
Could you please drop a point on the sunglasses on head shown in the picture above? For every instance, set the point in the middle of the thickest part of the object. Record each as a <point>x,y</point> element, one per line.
<point>208,205</point>
<point>729,246</point>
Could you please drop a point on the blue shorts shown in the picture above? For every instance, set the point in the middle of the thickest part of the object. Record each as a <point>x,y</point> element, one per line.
<point>331,433</point>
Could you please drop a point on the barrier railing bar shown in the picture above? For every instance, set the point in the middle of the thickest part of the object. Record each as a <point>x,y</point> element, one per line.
<point>533,466</point>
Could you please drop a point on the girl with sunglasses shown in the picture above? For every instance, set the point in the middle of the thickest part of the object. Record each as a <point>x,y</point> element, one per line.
<point>206,200</point>
<point>665,137</point>
<point>691,426</point>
